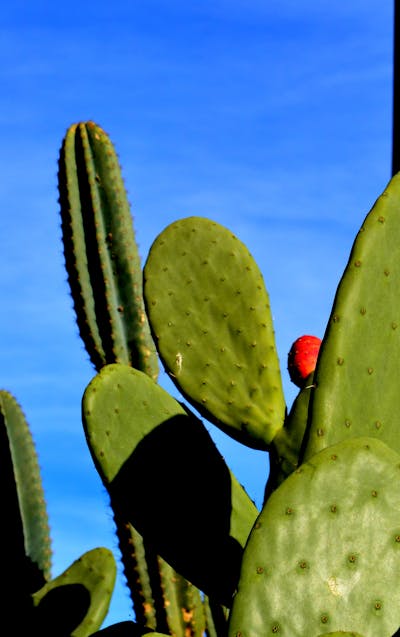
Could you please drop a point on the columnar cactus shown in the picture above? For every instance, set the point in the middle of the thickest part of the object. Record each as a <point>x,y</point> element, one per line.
<point>74,603</point>
<point>101,255</point>
<point>322,556</point>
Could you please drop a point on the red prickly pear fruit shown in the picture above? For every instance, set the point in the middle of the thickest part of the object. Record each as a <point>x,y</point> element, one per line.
<point>302,358</point>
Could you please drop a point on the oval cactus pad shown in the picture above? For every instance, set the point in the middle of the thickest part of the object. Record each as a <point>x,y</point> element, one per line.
<point>167,478</point>
<point>357,387</point>
<point>324,554</point>
<point>210,316</point>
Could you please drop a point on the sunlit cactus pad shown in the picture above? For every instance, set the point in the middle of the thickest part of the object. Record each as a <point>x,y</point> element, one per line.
<point>357,390</point>
<point>341,633</point>
<point>210,316</point>
<point>324,555</point>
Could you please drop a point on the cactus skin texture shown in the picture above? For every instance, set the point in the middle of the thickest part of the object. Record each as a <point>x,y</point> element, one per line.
<point>76,602</point>
<point>101,255</point>
<point>320,548</point>
<point>286,447</point>
<point>341,633</point>
<point>79,597</point>
<point>356,376</point>
<point>25,531</point>
<point>161,597</point>
<point>210,317</point>
<point>134,428</point>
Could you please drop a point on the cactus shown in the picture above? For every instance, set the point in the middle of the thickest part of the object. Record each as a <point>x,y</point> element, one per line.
<point>79,598</point>
<point>21,483</point>
<point>210,314</point>
<point>74,603</point>
<point>101,256</point>
<point>361,349</point>
<point>285,450</point>
<point>25,532</point>
<point>135,428</point>
<point>321,556</point>
<point>104,273</point>
<point>319,546</point>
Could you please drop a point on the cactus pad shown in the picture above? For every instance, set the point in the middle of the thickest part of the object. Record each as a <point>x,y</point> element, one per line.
<point>357,373</point>
<point>77,601</point>
<point>210,317</point>
<point>324,554</point>
<point>162,468</point>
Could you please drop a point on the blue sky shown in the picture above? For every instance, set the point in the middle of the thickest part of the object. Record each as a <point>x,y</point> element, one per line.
<point>272,118</point>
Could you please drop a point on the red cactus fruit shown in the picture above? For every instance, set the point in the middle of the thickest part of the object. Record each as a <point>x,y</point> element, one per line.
<point>302,358</point>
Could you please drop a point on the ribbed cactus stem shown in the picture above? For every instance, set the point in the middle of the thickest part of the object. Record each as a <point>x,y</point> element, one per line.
<point>25,533</point>
<point>101,254</point>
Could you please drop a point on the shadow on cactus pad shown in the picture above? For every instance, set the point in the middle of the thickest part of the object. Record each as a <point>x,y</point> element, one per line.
<point>54,605</point>
<point>166,477</point>
<point>176,491</point>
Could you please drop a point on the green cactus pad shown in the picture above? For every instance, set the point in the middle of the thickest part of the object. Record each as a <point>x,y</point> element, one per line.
<point>210,317</point>
<point>357,373</point>
<point>341,633</point>
<point>167,478</point>
<point>76,602</point>
<point>324,554</point>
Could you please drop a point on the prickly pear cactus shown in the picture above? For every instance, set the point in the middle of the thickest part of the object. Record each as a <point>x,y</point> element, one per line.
<point>77,601</point>
<point>210,317</point>
<point>356,389</point>
<point>104,273</point>
<point>341,633</point>
<point>79,598</point>
<point>324,554</point>
<point>134,428</point>
<point>286,447</point>
<point>322,557</point>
